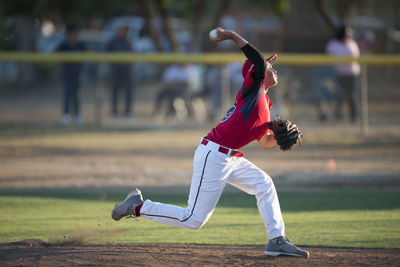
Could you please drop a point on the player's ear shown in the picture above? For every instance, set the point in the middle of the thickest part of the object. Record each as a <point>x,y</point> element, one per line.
<point>272,59</point>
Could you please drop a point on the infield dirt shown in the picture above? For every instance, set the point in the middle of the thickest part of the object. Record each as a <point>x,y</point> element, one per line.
<point>39,253</point>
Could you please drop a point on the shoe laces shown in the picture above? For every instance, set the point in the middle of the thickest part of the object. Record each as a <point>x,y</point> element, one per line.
<point>283,240</point>
<point>132,216</point>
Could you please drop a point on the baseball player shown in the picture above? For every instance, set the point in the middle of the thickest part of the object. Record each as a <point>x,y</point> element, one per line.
<point>217,160</point>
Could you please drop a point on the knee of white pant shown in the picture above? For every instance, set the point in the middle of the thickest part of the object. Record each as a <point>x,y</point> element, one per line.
<point>194,227</point>
<point>195,224</point>
<point>265,192</point>
<point>266,186</point>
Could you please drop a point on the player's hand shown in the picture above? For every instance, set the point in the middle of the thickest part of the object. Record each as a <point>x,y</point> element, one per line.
<point>218,34</point>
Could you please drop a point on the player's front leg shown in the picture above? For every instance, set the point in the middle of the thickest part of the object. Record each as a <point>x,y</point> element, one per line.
<point>255,181</point>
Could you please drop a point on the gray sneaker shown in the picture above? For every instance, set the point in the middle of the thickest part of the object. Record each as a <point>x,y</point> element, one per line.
<point>128,206</point>
<point>282,246</point>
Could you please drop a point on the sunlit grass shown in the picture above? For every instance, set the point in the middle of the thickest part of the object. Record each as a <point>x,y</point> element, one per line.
<point>86,218</point>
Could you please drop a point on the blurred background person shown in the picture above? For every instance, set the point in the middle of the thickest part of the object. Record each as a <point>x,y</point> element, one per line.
<point>70,74</point>
<point>347,74</point>
<point>121,73</point>
<point>213,89</point>
<point>236,78</point>
<point>325,86</point>
<point>175,85</point>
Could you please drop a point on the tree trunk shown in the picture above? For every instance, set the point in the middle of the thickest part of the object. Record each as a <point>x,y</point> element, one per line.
<point>223,6</point>
<point>145,11</point>
<point>344,9</point>
<point>199,11</point>
<point>322,11</point>
<point>166,23</point>
<point>220,8</point>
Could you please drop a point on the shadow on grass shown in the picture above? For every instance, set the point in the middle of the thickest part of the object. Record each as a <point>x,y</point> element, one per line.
<point>294,200</point>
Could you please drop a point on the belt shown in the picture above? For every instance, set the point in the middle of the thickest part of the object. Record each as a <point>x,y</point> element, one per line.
<point>224,150</point>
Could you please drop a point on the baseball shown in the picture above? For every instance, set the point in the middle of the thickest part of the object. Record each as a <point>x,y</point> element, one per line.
<point>213,34</point>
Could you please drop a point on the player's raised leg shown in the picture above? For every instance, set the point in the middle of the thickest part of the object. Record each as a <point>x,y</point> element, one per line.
<point>210,175</point>
<point>128,207</point>
<point>208,182</point>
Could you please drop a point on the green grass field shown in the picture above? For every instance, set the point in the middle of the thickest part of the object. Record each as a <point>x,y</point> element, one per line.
<point>86,172</point>
<point>367,218</point>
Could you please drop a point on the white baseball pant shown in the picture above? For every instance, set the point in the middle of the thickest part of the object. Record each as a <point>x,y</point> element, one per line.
<point>211,171</point>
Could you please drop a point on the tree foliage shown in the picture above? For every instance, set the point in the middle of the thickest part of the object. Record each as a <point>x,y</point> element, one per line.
<point>67,10</point>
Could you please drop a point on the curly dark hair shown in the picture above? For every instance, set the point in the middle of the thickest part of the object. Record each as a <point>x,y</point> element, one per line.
<point>341,33</point>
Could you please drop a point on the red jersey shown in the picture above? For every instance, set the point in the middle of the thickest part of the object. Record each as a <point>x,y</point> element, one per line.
<point>248,119</point>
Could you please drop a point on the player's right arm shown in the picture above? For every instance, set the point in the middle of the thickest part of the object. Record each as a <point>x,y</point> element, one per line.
<point>229,35</point>
<point>255,57</point>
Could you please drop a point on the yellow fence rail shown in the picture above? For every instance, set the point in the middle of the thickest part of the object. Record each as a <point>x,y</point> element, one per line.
<point>204,58</point>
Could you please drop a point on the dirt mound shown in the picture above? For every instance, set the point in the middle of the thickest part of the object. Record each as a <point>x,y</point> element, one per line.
<point>40,253</point>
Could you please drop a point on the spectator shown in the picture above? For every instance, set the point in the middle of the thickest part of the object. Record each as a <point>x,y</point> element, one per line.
<point>213,89</point>
<point>326,89</point>
<point>347,74</point>
<point>236,79</point>
<point>175,84</point>
<point>120,73</point>
<point>70,74</point>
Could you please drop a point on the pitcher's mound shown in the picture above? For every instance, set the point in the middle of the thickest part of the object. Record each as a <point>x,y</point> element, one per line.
<point>40,253</point>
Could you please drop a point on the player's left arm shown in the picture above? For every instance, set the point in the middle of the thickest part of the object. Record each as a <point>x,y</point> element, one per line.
<point>267,141</point>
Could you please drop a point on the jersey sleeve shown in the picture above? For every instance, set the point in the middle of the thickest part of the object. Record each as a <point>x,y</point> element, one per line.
<point>257,59</point>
